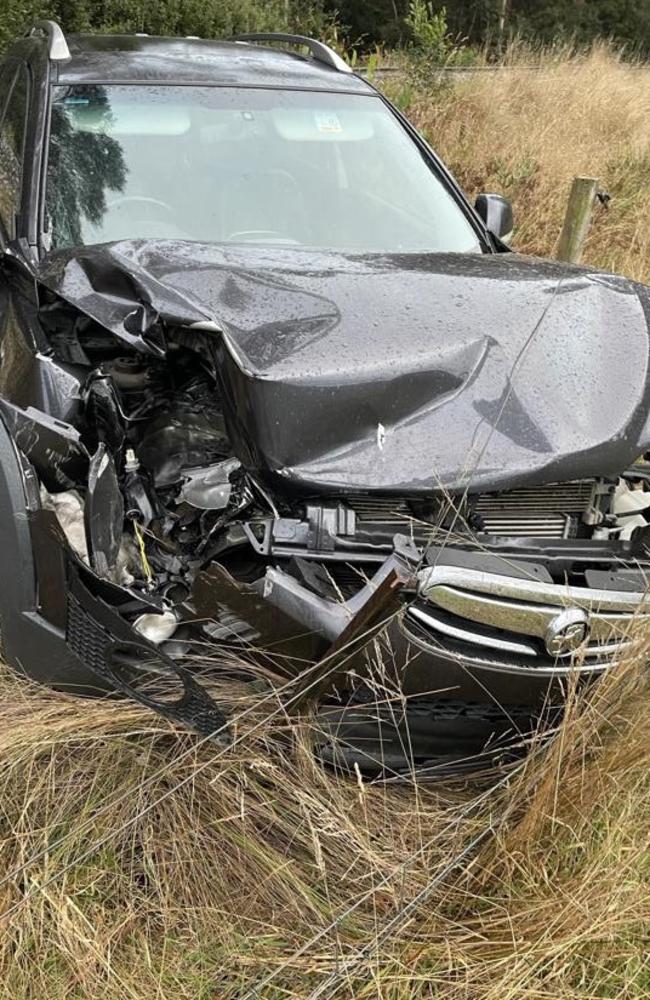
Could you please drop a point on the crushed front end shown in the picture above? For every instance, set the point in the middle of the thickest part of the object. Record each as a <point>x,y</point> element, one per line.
<point>161,535</point>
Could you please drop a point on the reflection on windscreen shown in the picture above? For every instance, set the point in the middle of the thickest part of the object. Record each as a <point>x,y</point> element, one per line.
<point>333,171</point>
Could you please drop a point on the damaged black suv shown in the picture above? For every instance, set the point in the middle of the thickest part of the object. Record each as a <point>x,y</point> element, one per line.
<point>275,397</point>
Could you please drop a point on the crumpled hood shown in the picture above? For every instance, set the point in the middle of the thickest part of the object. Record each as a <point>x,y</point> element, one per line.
<point>401,373</point>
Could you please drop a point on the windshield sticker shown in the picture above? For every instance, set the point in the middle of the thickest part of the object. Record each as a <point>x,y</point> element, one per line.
<point>326,122</point>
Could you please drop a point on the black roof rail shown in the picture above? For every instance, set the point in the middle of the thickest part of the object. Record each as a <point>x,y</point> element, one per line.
<point>57,46</point>
<point>320,52</point>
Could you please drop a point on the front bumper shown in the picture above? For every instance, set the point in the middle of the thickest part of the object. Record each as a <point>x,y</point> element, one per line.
<point>477,610</point>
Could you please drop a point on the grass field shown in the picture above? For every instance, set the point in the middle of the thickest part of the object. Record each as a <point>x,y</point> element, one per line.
<point>526,134</point>
<point>137,863</point>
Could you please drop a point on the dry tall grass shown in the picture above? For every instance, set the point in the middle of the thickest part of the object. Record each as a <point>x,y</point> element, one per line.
<point>138,862</point>
<point>526,134</point>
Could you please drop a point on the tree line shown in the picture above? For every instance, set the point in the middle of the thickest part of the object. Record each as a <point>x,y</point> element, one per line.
<point>361,24</point>
<point>491,22</point>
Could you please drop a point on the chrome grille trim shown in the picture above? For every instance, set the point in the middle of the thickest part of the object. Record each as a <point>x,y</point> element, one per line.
<point>491,660</point>
<point>499,654</point>
<point>506,620</point>
<point>436,622</point>
<point>525,618</point>
<point>518,589</point>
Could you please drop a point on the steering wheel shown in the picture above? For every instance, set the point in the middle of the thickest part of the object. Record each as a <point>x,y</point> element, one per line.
<point>249,235</point>
<point>129,199</point>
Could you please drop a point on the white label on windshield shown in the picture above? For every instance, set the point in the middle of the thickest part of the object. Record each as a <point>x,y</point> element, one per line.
<point>328,122</point>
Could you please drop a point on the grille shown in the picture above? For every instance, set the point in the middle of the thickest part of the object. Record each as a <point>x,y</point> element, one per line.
<point>524,625</point>
<point>535,511</point>
<point>97,648</point>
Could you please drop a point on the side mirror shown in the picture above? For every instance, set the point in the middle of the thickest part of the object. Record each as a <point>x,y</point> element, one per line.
<point>496,212</point>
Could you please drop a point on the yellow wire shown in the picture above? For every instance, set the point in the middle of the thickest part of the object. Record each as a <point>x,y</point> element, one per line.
<point>143,553</point>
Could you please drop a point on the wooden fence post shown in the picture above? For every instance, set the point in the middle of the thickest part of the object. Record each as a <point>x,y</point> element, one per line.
<point>577,219</point>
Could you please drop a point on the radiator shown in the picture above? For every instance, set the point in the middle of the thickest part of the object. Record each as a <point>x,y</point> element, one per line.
<point>535,511</point>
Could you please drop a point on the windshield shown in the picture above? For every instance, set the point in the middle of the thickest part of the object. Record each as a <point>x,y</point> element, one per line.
<point>271,167</point>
